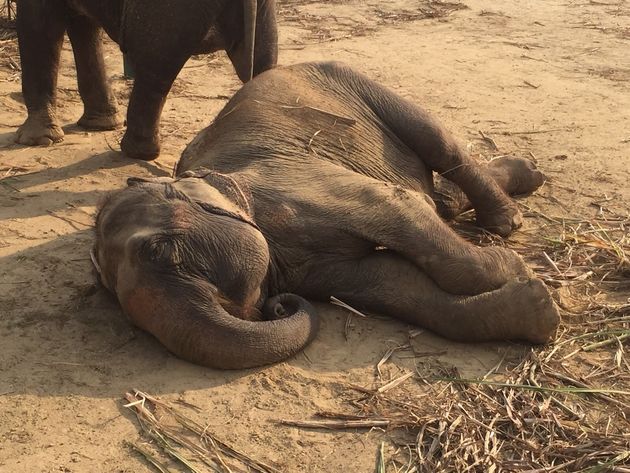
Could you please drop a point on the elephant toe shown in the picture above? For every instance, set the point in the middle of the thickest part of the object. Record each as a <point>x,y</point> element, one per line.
<point>145,149</point>
<point>502,222</point>
<point>521,176</point>
<point>33,133</point>
<point>540,317</point>
<point>100,121</point>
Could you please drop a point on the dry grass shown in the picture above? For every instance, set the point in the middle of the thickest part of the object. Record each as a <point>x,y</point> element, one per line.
<point>568,251</point>
<point>564,407</point>
<point>7,19</point>
<point>534,415</point>
<point>325,27</point>
<point>177,441</point>
<point>9,56</point>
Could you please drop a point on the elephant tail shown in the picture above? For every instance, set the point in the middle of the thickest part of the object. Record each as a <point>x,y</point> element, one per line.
<point>250,13</point>
<point>187,318</point>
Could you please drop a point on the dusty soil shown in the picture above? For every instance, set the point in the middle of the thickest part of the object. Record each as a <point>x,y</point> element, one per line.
<point>549,80</point>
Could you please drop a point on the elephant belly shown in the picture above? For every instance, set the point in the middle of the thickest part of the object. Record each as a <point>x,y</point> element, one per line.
<point>212,41</point>
<point>303,239</point>
<point>106,14</point>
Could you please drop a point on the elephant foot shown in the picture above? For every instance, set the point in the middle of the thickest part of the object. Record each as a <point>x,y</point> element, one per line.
<point>501,221</point>
<point>39,131</point>
<point>516,175</point>
<point>101,121</point>
<point>146,149</point>
<point>503,265</point>
<point>533,316</point>
<point>482,271</point>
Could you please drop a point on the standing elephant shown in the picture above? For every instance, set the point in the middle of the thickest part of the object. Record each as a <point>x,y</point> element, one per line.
<point>315,181</point>
<point>157,35</point>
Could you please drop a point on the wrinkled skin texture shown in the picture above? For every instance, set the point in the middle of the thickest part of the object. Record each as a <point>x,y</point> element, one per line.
<point>323,183</point>
<point>158,37</point>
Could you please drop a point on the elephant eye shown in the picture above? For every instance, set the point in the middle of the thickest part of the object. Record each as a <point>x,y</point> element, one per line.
<point>159,250</point>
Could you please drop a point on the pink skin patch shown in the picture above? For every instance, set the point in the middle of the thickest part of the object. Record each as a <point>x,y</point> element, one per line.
<point>181,216</point>
<point>142,303</point>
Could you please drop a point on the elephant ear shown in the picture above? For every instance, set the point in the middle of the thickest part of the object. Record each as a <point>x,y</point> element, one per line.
<point>237,193</point>
<point>136,180</point>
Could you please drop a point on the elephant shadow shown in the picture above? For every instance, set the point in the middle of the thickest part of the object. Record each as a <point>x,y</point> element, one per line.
<point>21,198</point>
<point>62,331</point>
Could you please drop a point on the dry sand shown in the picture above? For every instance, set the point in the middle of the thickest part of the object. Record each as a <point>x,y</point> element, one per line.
<point>544,79</point>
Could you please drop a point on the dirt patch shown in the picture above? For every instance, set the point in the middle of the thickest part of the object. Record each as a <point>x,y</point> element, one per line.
<point>548,82</point>
<point>351,18</point>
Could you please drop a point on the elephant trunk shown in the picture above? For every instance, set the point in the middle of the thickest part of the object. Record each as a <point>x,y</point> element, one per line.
<point>250,12</point>
<point>187,317</point>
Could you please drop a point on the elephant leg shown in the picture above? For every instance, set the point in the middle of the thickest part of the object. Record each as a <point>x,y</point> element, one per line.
<point>515,176</point>
<point>265,53</point>
<point>266,48</point>
<point>40,28</point>
<point>98,100</point>
<point>156,60</point>
<point>406,222</point>
<point>386,283</point>
<point>142,140</point>
<point>437,149</point>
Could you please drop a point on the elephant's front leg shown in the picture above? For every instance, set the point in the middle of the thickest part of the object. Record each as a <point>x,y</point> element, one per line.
<point>156,66</point>
<point>406,222</point>
<point>142,139</point>
<point>515,176</point>
<point>386,283</point>
<point>158,41</point>
<point>40,28</point>
<point>98,100</point>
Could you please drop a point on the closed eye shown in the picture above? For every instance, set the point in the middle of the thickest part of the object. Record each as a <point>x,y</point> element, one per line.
<point>162,250</point>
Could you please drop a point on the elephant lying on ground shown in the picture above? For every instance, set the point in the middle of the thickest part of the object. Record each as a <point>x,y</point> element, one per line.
<point>158,36</point>
<point>314,182</point>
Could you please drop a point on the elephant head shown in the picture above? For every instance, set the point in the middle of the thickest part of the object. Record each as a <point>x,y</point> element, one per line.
<point>256,50</point>
<point>189,265</point>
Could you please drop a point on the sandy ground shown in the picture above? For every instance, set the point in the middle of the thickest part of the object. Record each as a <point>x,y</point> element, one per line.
<point>549,80</point>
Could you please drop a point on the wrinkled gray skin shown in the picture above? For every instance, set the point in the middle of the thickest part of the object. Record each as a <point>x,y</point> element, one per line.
<point>158,36</point>
<point>316,169</point>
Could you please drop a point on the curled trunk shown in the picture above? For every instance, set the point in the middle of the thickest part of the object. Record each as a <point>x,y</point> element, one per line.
<point>187,318</point>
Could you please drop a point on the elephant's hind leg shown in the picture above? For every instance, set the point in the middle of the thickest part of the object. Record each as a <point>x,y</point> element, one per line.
<point>438,150</point>
<point>100,109</point>
<point>516,176</point>
<point>405,222</point>
<point>40,28</point>
<point>386,283</point>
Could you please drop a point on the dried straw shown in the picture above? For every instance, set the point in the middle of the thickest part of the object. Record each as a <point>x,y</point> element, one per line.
<point>563,407</point>
<point>186,442</point>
